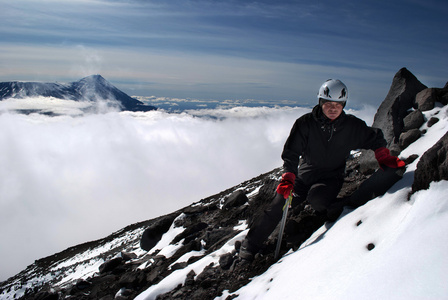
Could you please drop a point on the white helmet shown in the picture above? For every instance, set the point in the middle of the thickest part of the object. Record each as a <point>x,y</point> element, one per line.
<point>333,90</point>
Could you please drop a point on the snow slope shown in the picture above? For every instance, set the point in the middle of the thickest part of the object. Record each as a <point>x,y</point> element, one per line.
<point>408,261</point>
<point>390,248</point>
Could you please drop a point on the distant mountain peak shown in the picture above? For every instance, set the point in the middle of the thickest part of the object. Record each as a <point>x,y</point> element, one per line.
<point>94,78</point>
<point>90,88</point>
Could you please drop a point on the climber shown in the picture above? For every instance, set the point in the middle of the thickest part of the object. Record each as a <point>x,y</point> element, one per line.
<point>321,141</point>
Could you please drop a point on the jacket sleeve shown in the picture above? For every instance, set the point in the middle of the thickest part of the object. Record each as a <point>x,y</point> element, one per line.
<point>295,145</point>
<point>370,137</point>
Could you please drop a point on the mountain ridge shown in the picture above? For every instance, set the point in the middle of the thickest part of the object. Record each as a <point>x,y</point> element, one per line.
<point>91,88</point>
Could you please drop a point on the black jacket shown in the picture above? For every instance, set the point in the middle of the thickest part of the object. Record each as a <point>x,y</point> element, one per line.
<point>325,145</point>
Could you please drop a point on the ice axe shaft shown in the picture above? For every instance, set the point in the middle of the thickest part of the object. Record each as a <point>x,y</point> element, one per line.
<point>282,225</point>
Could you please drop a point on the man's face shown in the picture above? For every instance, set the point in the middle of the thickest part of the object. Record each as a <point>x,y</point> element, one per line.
<point>332,110</point>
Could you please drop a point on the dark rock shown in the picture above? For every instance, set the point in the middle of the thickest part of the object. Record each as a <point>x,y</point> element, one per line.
<point>110,265</point>
<point>370,246</point>
<point>123,294</point>
<point>197,209</point>
<point>193,245</point>
<point>128,256</point>
<point>432,121</point>
<point>178,266</point>
<point>153,275</point>
<point>433,165</point>
<point>426,99</point>
<point>414,120</point>
<point>120,269</point>
<point>152,235</point>
<point>226,260</point>
<point>133,278</point>
<point>191,232</point>
<point>200,294</point>
<point>236,199</point>
<point>408,137</point>
<point>237,245</point>
<point>46,295</point>
<point>216,236</point>
<point>368,163</point>
<point>410,159</point>
<point>190,278</point>
<point>207,277</point>
<point>82,284</point>
<point>400,98</point>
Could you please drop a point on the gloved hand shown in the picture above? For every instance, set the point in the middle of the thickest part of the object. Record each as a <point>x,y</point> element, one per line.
<point>286,184</point>
<point>383,157</point>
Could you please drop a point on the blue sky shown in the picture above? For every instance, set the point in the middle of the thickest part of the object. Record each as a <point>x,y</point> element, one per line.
<point>267,50</point>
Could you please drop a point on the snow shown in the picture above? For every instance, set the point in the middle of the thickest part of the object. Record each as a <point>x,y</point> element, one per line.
<point>433,134</point>
<point>408,260</point>
<point>179,276</point>
<point>164,245</point>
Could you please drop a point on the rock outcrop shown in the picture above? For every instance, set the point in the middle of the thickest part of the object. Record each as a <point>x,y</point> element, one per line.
<point>395,107</point>
<point>400,114</point>
<point>432,166</point>
<point>427,98</point>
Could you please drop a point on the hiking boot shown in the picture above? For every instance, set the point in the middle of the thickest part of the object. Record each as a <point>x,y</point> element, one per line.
<point>246,251</point>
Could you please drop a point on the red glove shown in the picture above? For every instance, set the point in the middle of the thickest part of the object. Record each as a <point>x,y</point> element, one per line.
<point>383,157</point>
<point>286,184</point>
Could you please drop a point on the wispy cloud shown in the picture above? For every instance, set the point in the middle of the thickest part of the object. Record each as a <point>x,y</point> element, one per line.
<point>197,48</point>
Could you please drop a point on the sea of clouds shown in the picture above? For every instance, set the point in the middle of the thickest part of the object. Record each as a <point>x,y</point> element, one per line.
<point>74,177</point>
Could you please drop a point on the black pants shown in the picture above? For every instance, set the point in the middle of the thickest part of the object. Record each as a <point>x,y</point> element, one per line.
<point>321,195</point>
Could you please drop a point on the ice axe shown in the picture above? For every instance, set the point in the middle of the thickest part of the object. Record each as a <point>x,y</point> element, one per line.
<point>282,224</point>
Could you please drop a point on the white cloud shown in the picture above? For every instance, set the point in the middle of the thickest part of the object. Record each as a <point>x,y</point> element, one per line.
<point>67,180</point>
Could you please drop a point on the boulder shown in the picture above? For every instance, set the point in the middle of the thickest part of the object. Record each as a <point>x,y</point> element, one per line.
<point>235,199</point>
<point>189,280</point>
<point>226,261</point>
<point>110,265</point>
<point>432,121</point>
<point>433,165</point>
<point>426,99</point>
<point>414,120</point>
<point>408,137</point>
<point>152,235</point>
<point>395,107</point>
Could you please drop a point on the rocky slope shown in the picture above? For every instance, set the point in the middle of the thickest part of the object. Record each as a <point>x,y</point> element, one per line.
<point>123,265</point>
